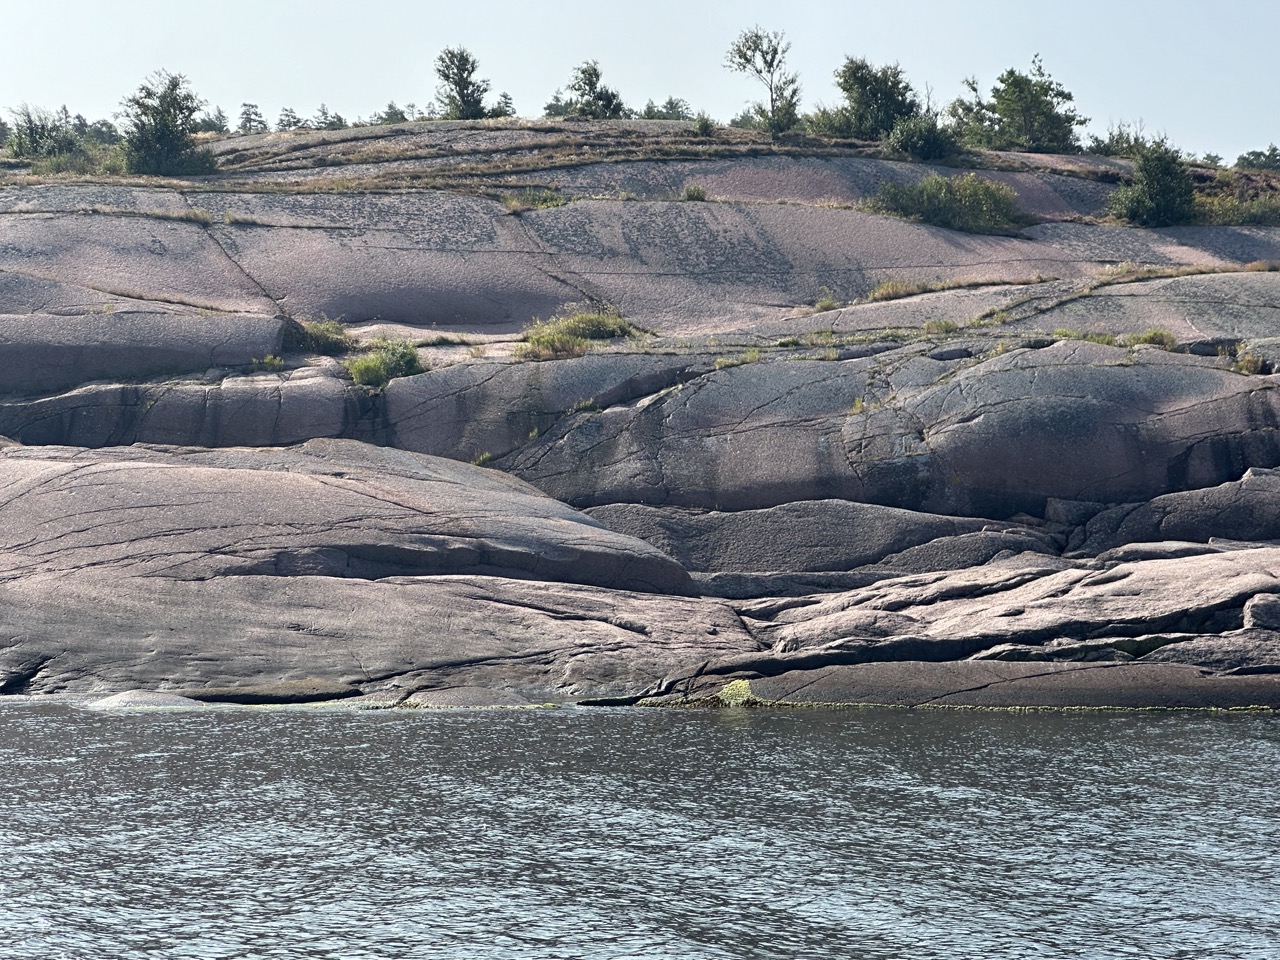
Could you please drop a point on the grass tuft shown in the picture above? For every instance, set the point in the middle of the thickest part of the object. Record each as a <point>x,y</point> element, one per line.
<point>561,338</point>
<point>386,360</point>
<point>968,203</point>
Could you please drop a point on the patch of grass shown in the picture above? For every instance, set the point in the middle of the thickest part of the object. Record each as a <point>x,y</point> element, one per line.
<point>695,193</point>
<point>749,356</point>
<point>940,326</point>
<point>386,360</point>
<point>967,203</point>
<point>532,199</point>
<point>826,301</point>
<point>480,459</point>
<point>327,337</point>
<point>270,364</point>
<point>1107,339</point>
<point>478,351</point>
<point>896,289</point>
<point>1249,364</point>
<point>1154,337</point>
<point>1262,266</point>
<point>444,340</point>
<point>570,336</point>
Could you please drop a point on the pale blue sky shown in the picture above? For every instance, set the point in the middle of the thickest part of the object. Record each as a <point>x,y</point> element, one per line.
<point>1206,76</point>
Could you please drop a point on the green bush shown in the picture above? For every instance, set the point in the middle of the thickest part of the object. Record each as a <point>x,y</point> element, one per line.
<point>695,193</point>
<point>1027,111</point>
<point>570,336</point>
<point>1162,193</point>
<point>160,122</point>
<point>922,137</point>
<point>327,336</point>
<point>1154,337</point>
<point>876,98</point>
<point>968,203</point>
<point>703,125</point>
<point>386,360</point>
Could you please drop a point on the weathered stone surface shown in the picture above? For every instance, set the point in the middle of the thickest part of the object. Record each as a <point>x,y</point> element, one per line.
<point>1073,421</point>
<point>969,684</point>
<point>544,642</point>
<point>467,410</point>
<point>814,536</point>
<point>1247,509</point>
<point>322,509</point>
<point>43,353</point>
<point>266,409</point>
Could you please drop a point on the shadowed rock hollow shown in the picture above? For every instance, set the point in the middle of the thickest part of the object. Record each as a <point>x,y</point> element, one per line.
<point>998,487</point>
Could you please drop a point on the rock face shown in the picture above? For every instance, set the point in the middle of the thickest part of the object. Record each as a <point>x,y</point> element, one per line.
<point>334,509</point>
<point>1029,478</point>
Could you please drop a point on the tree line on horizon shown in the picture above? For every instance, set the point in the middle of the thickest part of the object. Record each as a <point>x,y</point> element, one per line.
<point>1025,111</point>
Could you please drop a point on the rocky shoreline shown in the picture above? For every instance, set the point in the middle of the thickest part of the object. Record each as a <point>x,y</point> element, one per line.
<point>1000,488</point>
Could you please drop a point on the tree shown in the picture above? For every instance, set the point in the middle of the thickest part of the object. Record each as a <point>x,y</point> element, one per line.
<point>673,109</point>
<point>1162,192</point>
<point>289,120</point>
<point>159,122</point>
<point>505,107</point>
<point>1027,111</point>
<point>251,120</point>
<point>5,131</point>
<point>876,98</point>
<point>215,122</point>
<point>325,120</point>
<point>460,95</point>
<point>390,114</point>
<point>38,132</point>
<point>1268,159</point>
<point>589,97</point>
<point>763,55</point>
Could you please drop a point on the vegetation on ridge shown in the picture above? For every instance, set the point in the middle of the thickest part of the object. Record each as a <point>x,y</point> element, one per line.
<point>571,335</point>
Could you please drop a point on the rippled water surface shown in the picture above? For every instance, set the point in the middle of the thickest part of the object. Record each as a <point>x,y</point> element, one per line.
<point>646,834</point>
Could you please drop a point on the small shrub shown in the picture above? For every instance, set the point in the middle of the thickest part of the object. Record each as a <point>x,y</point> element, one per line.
<point>704,126</point>
<point>1161,194</point>
<point>894,289</point>
<point>570,336</point>
<point>1249,364</point>
<point>480,459</point>
<point>1106,339</point>
<point>968,203</point>
<point>1154,337</point>
<point>328,337</point>
<point>826,301</point>
<point>270,363</point>
<point>695,193</point>
<point>386,360</point>
<point>921,137</point>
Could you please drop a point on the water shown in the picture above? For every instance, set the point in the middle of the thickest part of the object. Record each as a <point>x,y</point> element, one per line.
<point>630,833</point>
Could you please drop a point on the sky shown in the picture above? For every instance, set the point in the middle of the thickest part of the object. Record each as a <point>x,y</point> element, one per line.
<point>1204,76</point>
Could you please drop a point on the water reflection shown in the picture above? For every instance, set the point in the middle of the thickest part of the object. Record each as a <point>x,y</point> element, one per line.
<point>617,833</point>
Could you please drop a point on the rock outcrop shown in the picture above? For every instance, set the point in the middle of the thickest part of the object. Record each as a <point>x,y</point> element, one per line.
<point>1038,470</point>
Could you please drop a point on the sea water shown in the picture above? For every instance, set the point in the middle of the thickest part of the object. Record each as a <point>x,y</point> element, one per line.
<point>592,833</point>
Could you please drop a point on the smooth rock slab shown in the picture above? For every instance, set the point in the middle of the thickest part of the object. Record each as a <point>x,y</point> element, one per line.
<point>335,508</point>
